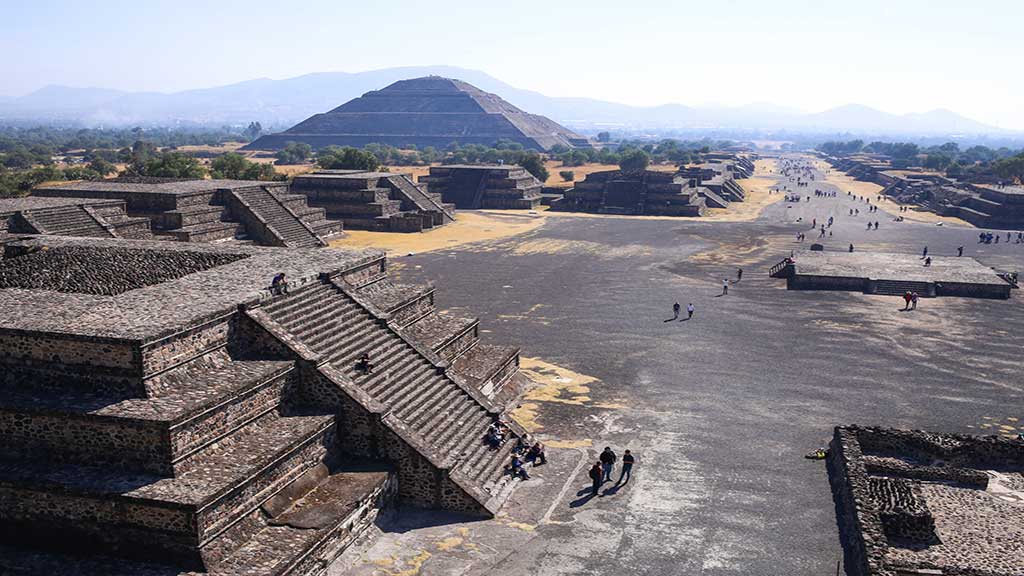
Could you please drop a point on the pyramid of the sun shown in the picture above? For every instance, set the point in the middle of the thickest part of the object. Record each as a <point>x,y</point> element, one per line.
<point>428,111</point>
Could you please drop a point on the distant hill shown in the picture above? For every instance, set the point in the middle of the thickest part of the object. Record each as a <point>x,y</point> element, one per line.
<point>282,103</point>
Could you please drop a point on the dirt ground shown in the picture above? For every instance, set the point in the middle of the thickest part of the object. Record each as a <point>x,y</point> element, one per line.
<point>469,227</point>
<point>580,172</point>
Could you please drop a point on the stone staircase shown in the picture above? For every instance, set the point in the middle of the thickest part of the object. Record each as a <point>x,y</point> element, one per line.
<point>68,221</point>
<point>901,287</point>
<point>423,201</point>
<point>259,204</point>
<point>444,419</point>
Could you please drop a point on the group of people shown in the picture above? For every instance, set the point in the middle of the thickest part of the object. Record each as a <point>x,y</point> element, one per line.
<point>526,451</point>
<point>602,470</point>
<point>990,238</point>
<point>911,300</point>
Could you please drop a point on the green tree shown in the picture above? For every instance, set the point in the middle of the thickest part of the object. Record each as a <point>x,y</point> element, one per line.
<point>634,160</point>
<point>604,137</point>
<point>167,165</point>
<point>253,131</point>
<point>347,158</point>
<point>102,167</point>
<point>1012,167</point>
<point>234,166</point>
<point>567,175</point>
<point>294,153</point>
<point>534,164</point>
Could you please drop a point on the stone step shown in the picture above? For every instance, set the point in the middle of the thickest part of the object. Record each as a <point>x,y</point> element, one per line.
<point>201,402</point>
<point>207,232</point>
<point>173,517</point>
<point>271,209</point>
<point>486,366</point>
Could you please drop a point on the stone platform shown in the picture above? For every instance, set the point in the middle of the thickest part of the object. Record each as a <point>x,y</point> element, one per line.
<point>911,502</point>
<point>157,402</point>
<point>890,274</point>
<point>207,210</point>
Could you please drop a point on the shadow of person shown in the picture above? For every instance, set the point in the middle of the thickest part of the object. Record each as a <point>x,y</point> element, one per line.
<point>586,496</point>
<point>612,491</point>
<point>670,319</point>
<point>683,319</point>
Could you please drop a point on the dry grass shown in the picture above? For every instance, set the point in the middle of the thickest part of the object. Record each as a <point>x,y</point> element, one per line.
<point>219,149</point>
<point>468,227</point>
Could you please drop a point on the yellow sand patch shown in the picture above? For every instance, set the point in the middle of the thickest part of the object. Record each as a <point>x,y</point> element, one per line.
<point>415,564</point>
<point>557,384</point>
<point>522,526</point>
<point>449,543</point>
<point>526,414</point>
<point>585,443</point>
<point>468,227</point>
<point>383,562</point>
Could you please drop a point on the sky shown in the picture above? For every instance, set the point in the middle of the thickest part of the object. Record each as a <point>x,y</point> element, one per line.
<point>898,56</point>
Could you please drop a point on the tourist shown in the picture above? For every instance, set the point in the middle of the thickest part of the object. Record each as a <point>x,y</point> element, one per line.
<point>924,254</point>
<point>608,459</point>
<point>739,274</point>
<point>364,365</point>
<point>627,466</point>
<point>928,261</point>
<point>675,311</point>
<point>876,224</point>
<point>913,301</point>
<point>725,287</point>
<point>517,468</point>
<point>851,247</point>
<point>279,285</point>
<point>689,310</point>
<point>495,435</point>
<point>906,298</point>
<point>536,454</point>
<point>595,478</point>
<point>960,251</point>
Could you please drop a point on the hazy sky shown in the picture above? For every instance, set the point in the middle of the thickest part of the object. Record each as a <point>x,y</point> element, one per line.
<point>895,55</point>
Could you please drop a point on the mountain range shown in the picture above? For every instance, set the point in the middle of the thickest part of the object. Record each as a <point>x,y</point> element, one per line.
<point>281,103</point>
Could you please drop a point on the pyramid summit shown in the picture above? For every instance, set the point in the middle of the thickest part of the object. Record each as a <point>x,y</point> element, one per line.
<point>428,111</point>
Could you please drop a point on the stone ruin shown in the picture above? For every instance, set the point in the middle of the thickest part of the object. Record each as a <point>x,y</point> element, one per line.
<point>646,192</point>
<point>383,201</point>
<point>421,112</point>
<point>263,213</point>
<point>474,186</point>
<point>912,502</point>
<point>155,420</point>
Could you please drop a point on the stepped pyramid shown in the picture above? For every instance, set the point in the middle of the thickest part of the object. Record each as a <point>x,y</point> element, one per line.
<point>161,411</point>
<point>428,111</point>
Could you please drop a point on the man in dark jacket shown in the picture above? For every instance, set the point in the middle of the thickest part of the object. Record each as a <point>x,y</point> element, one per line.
<point>595,477</point>
<point>608,459</point>
<point>627,466</point>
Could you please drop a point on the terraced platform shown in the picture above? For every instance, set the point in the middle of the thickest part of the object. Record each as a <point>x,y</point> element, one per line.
<point>196,421</point>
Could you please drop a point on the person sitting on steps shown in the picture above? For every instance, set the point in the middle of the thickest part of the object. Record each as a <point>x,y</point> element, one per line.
<point>279,285</point>
<point>364,365</point>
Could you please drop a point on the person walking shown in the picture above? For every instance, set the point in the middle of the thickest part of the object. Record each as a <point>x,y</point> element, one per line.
<point>725,287</point>
<point>960,251</point>
<point>924,254</point>
<point>913,301</point>
<point>675,311</point>
<point>739,274</point>
<point>689,310</point>
<point>608,459</point>
<point>595,478</point>
<point>627,466</point>
<point>906,298</point>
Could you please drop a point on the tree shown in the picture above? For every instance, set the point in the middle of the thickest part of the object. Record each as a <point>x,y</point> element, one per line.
<point>347,158</point>
<point>634,160</point>
<point>1012,167</point>
<point>234,166</point>
<point>167,165</point>
<point>567,175</point>
<point>534,164</point>
<point>102,167</point>
<point>253,131</point>
<point>604,137</point>
<point>294,153</point>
